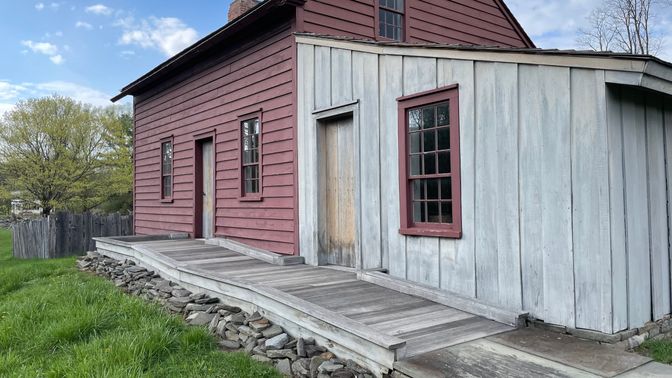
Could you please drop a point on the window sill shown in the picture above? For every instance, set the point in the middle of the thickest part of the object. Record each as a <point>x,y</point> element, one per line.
<point>251,199</point>
<point>166,200</point>
<point>431,232</point>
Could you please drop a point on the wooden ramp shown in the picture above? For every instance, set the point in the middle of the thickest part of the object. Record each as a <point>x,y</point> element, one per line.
<point>375,325</point>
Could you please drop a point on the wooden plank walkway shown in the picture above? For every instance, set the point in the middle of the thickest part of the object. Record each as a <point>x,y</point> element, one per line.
<point>424,325</point>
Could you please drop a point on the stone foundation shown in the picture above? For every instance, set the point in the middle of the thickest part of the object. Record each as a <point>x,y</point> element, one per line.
<point>235,329</point>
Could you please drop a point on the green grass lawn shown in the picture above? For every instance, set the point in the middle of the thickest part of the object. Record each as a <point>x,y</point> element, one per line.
<point>659,350</point>
<point>58,322</point>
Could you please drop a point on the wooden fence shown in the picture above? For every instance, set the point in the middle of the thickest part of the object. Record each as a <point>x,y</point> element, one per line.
<point>65,234</point>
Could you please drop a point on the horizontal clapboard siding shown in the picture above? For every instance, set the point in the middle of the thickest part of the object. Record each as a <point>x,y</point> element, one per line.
<point>433,21</point>
<point>548,157</point>
<point>259,75</point>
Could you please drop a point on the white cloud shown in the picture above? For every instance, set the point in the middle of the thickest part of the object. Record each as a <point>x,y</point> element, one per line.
<point>11,93</point>
<point>167,34</point>
<point>4,108</point>
<point>45,48</point>
<point>99,9</point>
<point>39,6</point>
<point>57,59</point>
<point>55,6</point>
<point>127,53</point>
<point>83,25</point>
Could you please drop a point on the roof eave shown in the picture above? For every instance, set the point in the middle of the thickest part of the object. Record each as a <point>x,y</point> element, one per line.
<point>203,44</point>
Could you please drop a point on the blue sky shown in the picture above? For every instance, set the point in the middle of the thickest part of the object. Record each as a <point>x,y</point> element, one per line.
<point>90,49</point>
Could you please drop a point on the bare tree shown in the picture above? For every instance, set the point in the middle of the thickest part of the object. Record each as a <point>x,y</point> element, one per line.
<point>623,25</point>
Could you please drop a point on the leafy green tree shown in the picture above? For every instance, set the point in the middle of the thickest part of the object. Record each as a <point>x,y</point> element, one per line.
<point>52,151</point>
<point>118,158</point>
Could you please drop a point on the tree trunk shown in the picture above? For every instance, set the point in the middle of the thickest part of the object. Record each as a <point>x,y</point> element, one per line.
<point>46,211</point>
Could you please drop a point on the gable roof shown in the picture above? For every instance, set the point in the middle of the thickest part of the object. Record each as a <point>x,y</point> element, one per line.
<point>232,28</point>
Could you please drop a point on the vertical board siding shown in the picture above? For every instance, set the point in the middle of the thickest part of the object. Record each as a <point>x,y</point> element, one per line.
<point>559,172</point>
<point>258,75</point>
<point>590,201</point>
<point>660,258</point>
<point>636,209</point>
<point>531,176</point>
<point>437,21</point>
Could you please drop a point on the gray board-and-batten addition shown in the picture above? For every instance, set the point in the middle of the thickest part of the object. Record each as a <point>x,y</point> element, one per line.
<point>564,165</point>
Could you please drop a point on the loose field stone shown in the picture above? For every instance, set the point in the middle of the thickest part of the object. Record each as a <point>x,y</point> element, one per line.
<point>314,350</point>
<point>232,327</point>
<point>212,327</point>
<point>254,317</point>
<point>273,331</point>
<point>323,375</point>
<point>329,367</point>
<point>277,342</point>
<point>284,367</point>
<point>179,302</point>
<point>223,313</point>
<point>229,344</point>
<point>291,344</point>
<point>301,348</point>
<point>261,341</point>
<point>327,356</point>
<point>259,351</point>
<point>249,347</point>
<point>281,353</point>
<point>207,300</point>
<point>262,359</point>
<point>343,373</point>
<point>259,325</point>
<point>301,367</point>
<point>238,318</point>
<point>315,363</point>
<point>196,296</point>
<point>231,309</point>
<point>196,307</point>
<point>352,365</point>
<point>231,335</point>
<point>135,269</point>
<point>181,293</point>
<point>199,318</point>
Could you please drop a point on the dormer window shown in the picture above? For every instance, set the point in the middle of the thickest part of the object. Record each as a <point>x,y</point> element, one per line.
<point>391,19</point>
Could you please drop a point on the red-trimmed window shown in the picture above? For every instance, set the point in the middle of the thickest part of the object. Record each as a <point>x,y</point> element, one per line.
<point>167,169</point>
<point>391,19</point>
<point>429,156</point>
<point>250,156</point>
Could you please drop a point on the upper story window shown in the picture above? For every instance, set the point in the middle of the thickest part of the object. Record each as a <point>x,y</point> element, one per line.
<point>391,19</point>
<point>430,163</point>
<point>251,156</point>
<point>167,169</point>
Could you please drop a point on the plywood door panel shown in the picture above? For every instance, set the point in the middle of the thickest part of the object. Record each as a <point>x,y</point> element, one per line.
<point>208,189</point>
<point>339,228</point>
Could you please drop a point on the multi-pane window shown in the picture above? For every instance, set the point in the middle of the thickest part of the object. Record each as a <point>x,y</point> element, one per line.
<point>251,174</point>
<point>391,19</point>
<point>429,132</point>
<point>167,170</point>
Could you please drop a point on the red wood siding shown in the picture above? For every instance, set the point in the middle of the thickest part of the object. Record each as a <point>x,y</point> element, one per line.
<point>477,22</point>
<point>258,76</point>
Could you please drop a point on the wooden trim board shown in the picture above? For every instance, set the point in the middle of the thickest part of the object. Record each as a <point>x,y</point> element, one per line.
<point>459,302</point>
<point>257,253</point>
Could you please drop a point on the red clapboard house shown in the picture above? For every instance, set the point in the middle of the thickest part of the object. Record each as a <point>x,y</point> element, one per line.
<point>427,139</point>
<point>195,103</point>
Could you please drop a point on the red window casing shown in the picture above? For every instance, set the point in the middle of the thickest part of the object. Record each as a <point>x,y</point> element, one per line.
<point>167,151</point>
<point>250,157</point>
<point>429,163</point>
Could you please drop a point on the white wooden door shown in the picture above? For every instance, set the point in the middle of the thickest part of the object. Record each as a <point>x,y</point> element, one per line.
<point>208,189</point>
<point>338,234</point>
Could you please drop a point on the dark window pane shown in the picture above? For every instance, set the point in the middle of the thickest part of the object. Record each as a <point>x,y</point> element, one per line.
<point>252,172</point>
<point>443,115</point>
<point>446,212</point>
<point>415,142</point>
<point>433,212</point>
<point>428,118</point>
<point>444,138</point>
<point>444,162</point>
<point>389,31</point>
<point>416,168</point>
<point>446,189</point>
<point>418,212</point>
<point>250,157</point>
<point>418,188</point>
<point>432,189</point>
<point>167,186</point>
<point>429,141</point>
<point>430,164</point>
<point>414,120</point>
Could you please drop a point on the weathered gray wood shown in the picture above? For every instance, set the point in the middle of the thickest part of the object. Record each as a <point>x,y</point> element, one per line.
<point>457,267</point>
<point>637,209</point>
<point>365,88</point>
<point>419,74</point>
<point>391,86</point>
<point>531,177</point>
<point>590,201</point>
<point>341,76</point>
<point>65,234</point>
<point>556,221</point>
<point>617,211</point>
<point>660,257</point>
<point>667,130</point>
